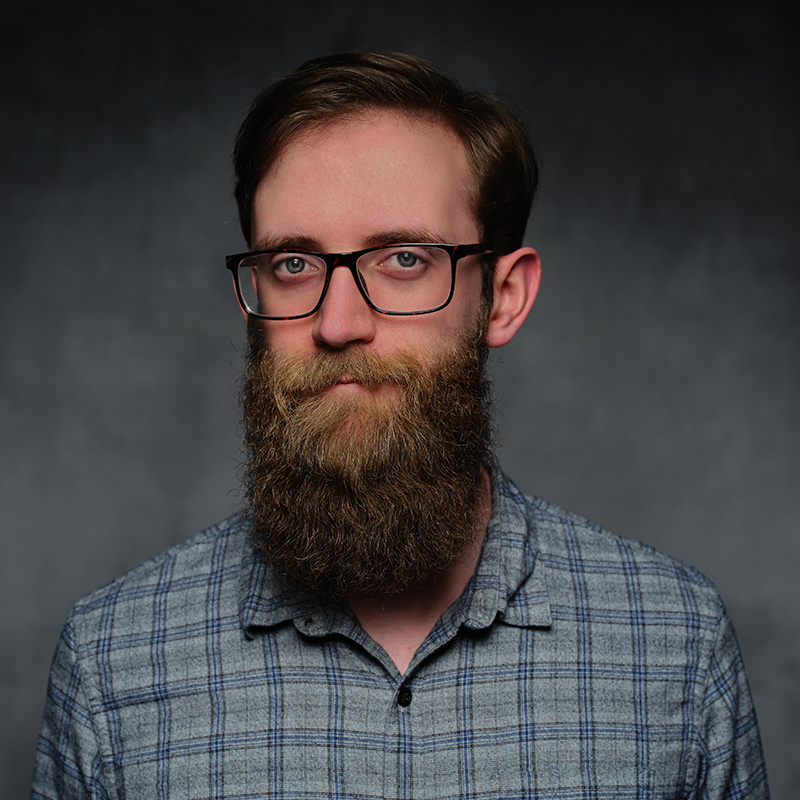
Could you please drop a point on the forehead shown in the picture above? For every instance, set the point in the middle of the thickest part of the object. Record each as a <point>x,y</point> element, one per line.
<point>379,171</point>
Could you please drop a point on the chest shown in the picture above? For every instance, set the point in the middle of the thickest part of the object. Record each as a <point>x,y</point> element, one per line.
<point>508,712</point>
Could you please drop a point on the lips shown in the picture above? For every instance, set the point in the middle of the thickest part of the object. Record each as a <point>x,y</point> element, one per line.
<point>345,379</point>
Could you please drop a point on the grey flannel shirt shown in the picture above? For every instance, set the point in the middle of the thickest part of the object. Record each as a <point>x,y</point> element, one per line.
<point>576,664</point>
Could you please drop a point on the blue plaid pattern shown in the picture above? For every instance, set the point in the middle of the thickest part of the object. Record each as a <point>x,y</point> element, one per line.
<point>577,664</point>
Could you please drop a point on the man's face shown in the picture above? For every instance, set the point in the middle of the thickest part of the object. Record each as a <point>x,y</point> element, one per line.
<point>368,435</point>
<point>378,179</point>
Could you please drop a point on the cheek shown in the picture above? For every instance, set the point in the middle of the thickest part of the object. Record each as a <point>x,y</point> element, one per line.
<point>289,337</point>
<point>467,303</point>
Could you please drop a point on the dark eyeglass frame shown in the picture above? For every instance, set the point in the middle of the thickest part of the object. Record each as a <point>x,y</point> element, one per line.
<point>333,260</point>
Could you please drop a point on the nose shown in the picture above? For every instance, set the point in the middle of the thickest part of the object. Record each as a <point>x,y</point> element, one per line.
<point>344,317</point>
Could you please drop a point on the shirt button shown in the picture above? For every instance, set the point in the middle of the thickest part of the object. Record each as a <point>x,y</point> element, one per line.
<point>404,696</point>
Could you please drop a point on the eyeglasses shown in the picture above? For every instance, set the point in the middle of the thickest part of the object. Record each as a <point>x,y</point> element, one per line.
<point>398,279</point>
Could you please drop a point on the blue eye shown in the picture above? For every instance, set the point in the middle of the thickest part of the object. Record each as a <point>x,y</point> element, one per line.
<point>295,264</point>
<point>406,259</point>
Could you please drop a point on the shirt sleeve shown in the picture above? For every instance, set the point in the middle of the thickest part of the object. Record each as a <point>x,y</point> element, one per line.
<point>733,759</point>
<point>68,756</point>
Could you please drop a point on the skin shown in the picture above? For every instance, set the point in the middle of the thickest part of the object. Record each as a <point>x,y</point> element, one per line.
<point>383,178</point>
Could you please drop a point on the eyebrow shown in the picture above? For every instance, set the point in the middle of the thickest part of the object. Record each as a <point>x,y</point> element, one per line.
<point>380,239</point>
<point>290,242</point>
<point>406,235</point>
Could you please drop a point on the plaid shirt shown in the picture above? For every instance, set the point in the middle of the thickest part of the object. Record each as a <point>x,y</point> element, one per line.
<point>576,665</point>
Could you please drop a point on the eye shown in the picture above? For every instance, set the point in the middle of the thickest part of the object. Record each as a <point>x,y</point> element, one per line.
<point>403,262</point>
<point>406,259</point>
<point>292,264</point>
<point>292,269</point>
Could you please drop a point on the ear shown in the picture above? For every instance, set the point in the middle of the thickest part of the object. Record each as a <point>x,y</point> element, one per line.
<point>516,283</point>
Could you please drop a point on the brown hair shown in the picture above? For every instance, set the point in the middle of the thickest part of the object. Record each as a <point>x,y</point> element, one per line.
<point>497,141</point>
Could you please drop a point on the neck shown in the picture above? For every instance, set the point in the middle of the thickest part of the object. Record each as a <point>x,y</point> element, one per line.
<point>401,622</point>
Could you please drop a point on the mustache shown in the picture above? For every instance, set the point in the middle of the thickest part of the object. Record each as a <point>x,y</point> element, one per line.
<point>302,377</point>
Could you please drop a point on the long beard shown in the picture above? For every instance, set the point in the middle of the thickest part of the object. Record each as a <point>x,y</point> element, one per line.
<point>370,492</point>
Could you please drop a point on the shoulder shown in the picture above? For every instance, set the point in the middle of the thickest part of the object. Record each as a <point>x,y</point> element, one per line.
<point>589,566</point>
<point>173,584</point>
<point>640,626</point>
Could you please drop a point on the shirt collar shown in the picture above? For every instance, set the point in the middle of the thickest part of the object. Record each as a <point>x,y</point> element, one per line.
<point>509,583</point>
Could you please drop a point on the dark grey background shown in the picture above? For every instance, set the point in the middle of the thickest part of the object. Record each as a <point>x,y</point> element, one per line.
<point>655,388</point>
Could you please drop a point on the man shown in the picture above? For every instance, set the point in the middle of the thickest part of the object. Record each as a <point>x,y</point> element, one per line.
<point>390,617</point>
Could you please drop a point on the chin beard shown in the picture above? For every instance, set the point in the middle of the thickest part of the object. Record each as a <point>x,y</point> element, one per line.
<point>372,491</point>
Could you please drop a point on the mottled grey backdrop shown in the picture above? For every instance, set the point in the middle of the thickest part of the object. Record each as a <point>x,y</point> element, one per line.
<point>655,389</point>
